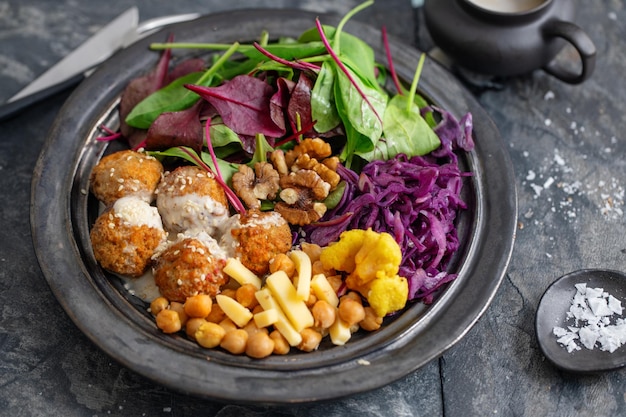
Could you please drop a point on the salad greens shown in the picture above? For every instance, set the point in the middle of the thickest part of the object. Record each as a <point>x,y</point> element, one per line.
<point>398,170</point>
<point>346,101</point>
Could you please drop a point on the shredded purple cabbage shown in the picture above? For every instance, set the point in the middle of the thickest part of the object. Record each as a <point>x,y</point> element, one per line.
<point>414,199</point>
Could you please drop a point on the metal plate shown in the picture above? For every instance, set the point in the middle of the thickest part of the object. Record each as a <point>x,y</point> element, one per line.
<point>62,212</point>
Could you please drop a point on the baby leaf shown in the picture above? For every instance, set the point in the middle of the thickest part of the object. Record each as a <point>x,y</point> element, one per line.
<point>244,105</point>
<point>173,97</point>
<point>323,108</point>
<point>355,110</point>
<point>406,131</point>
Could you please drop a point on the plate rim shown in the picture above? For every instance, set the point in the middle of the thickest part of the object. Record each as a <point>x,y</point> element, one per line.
<point>50,205</point>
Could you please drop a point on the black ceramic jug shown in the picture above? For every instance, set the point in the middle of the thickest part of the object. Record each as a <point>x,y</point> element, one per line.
<point>509,37</point>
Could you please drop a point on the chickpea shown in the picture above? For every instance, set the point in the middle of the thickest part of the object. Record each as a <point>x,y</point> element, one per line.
<point>228,325</point>
<point>371,321</point>
<point>168,321</point>
<point>351,311</point>
<point>353,295</point>
<point>335,281</point>
<point>216,315</point>
<point>229,292</point>
<point>210,335</point>
<point>245,296</point>
<point>324,314</point>
<point>180,309</point>
<point>283,262</point>
<point>251,328</point>
<point>192,325</point>
<point>198,305</point>
<point>318,268</point>
<point>281,346</point>
<point>259,345</point>
<point>158,304</point>
<point>312,250</point>
<point>310,302</point>
<point>310,340</point>
<point>257,309</point>
<point>235,341</point>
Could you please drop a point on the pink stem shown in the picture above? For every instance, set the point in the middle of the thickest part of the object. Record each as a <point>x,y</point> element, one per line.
<point>343,68</point>
<point>302,66</point>
<point>394,76</point>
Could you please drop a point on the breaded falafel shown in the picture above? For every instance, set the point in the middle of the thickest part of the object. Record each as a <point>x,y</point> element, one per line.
<point>256,237</point>
<point>125,237</point>
<point>189,266</point>
<point>125,173</point>
<point>191,198</point>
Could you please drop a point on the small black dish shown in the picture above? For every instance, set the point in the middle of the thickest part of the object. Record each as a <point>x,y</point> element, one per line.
<point>552,311</point>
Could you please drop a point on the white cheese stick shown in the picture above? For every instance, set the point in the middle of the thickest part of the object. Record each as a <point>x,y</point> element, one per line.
<point>339,332</point>
<point>285,293</point>
<point>267,301</point>
<point>302,280</point>
<point>266,318</point>
<point>239,314</point>
<point>236,270</point>
<point>323,290</point>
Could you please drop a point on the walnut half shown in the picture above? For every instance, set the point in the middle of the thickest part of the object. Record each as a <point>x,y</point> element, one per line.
<point>253,186</point>
<point>301,195</point>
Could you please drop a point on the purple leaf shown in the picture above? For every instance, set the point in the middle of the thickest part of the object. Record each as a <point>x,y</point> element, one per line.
<point>181,128</point>
<point>244,105</point>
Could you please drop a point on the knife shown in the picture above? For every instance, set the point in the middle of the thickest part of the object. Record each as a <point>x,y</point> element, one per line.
<point>71,70</point>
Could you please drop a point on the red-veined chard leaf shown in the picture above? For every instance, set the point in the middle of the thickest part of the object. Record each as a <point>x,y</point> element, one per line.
<point>244,105</point>
<point>174,97</point>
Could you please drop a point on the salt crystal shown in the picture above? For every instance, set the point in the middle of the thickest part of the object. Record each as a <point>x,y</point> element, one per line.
<point>592,311</point>
<point>599,307</point>
<point>588,337</point>
<point>558,159</point>
<point>548,183</point>
<point>615,305</point>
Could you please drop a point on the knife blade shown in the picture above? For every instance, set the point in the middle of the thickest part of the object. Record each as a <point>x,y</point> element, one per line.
<point>94,50</point>
<point>71,70</point>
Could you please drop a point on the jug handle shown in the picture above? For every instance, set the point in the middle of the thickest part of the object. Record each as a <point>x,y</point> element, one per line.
<point>579,40</point>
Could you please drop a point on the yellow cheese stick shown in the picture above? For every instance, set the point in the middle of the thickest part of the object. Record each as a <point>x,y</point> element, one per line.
<point>239,314</point>
<point>266,318</point>
<point>285,293</point>
<point>339,332</point>
<point>303,278</point>
<point>267,301</point>
<point>236,270</point>
<point>323,290</point>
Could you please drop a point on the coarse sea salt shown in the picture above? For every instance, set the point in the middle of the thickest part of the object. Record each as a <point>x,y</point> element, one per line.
<point>594,320</point>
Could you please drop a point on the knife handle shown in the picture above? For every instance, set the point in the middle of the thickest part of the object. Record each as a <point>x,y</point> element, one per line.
<point>11,109</point>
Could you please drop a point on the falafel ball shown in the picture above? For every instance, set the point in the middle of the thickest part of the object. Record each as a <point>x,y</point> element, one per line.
<point>256,237</point>
<point>125,237</point>
<point>190,266</point>
<point>125,173</point>
<point>191,198</point>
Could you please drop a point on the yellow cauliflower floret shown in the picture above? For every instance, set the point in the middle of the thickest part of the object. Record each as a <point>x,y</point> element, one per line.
<point>372,261</point>
<point>341,254</point>
<point>380,253</point>
<point>388,294</point>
